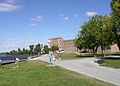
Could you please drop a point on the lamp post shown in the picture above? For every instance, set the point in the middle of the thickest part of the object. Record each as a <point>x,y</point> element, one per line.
<point>101,31</point>
<point>118,35</point>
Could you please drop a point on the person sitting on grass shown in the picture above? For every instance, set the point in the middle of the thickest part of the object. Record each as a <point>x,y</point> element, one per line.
<point>0,63</point>
<point>16,62</point>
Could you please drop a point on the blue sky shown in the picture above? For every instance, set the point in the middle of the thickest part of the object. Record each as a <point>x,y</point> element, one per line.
<point>25,22</point>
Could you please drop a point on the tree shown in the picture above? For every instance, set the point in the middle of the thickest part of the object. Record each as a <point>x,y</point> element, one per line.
<point>79,43</point>
<point>46,49</point>
<point>90,36</point>
<point>38,49</point>
<point>107,31</point>
<point>19,51</point>
<point>13,52</point>
<point>115,15</point>
<point>54,48</point>
<point>31,48</point>
<point>25,51</point>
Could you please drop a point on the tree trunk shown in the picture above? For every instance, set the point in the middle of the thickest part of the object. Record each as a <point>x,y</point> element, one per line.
<point>118,42</point>
<point>96,49</point>
<point>117,39</point>
<point>94,52</point>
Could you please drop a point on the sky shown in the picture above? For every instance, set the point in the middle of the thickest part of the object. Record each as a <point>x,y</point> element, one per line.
<point>26,22</point>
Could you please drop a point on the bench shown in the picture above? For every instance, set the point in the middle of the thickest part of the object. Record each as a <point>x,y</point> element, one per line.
<point>100,60</point>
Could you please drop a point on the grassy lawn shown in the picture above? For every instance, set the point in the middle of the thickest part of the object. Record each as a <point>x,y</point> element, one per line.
<point>112,63</point>
<point>68,56</point>
<point>72,56</point>
<point>36,73</point>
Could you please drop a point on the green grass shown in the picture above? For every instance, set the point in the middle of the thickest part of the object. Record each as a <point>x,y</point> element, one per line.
<point>36,73</point>
<point>68,56</point>
<point>82,55</point>
<point>112,63</point>
<point>116,53</point>
<point>72,56</point>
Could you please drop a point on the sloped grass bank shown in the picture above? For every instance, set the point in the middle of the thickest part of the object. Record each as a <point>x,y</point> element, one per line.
<point>36,73</point>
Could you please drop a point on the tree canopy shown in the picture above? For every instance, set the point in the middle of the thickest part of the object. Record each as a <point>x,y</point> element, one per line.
<point>100,30</point>
<point>54,48</point>
<point>90,35</point>
<point>115,15</point>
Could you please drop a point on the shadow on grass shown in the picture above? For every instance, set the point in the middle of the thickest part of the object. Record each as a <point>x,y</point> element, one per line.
<point>112,58</point>
<point>88,55</point>
<point>82,56</point>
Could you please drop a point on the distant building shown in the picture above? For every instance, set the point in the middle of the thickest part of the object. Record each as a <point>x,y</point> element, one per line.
<point>66,45</point>
<point>56,41</point>
<point>113,48</point>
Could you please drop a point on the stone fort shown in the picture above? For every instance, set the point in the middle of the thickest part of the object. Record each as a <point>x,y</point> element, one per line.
<point>68,45</point>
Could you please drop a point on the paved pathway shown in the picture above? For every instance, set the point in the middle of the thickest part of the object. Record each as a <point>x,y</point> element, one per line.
<point>88,67</point>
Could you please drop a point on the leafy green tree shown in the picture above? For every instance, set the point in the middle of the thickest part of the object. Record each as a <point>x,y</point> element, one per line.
<point>31,49</point>
<point>25,51</point>
<point>79,43</point>
<point>20,52</point>
<point>90,36</point>
<point>115,15</point>
<point>54,48</point>
<point>38,49</point>
<point>107,31</point>
<point>46,49</point>
<point>13,52</point>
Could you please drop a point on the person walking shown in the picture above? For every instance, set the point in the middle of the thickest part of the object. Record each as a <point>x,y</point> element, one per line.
<point>53,58</point>
<point>49,60</point>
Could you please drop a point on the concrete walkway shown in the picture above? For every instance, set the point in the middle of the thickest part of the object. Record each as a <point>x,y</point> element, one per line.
<point>88,67</point>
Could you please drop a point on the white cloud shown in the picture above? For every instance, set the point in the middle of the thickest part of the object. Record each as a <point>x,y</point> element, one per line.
<point>66,18</point>
<point>12,44</point>
<point>10,1</point>
<point>37,18</point>
<point>91,13</point>
<point>8,6</point>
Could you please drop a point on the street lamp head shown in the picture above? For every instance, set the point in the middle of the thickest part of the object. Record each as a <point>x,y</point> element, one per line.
<point>101,27</point>
<point>118,30</point>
